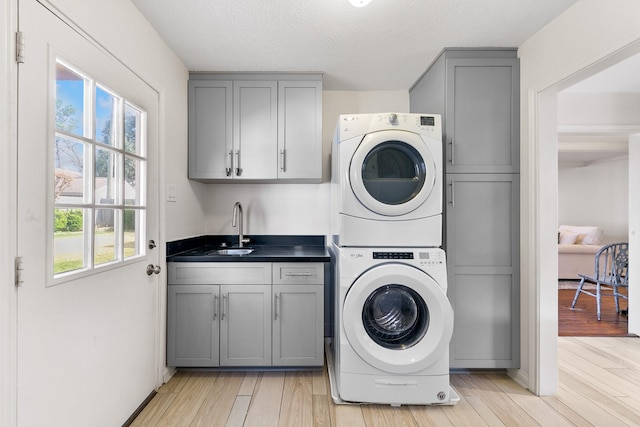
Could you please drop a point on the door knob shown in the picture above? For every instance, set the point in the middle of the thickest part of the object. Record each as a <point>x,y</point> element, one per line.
<point>153,269</point>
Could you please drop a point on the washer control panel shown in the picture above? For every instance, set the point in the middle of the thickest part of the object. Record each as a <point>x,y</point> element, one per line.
<point>424,258</point>
<point>393,255</point>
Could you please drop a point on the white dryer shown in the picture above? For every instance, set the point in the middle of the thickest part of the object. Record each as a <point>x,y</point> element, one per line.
<point>393,326</point>
<point>387,180</point>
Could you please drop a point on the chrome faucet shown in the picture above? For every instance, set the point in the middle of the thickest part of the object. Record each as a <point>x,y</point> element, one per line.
<point>238,208</point>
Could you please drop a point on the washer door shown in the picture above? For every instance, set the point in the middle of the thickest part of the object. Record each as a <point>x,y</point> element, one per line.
<point>397,318</point>
<point>392,172</point>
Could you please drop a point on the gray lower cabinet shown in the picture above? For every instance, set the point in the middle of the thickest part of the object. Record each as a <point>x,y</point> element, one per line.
<point>483,264</point>
<point>245,325</point>
<point>193,325</point>
<point>271,314</point>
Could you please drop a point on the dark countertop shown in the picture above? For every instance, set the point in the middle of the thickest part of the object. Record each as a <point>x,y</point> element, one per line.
<point>267,248</point>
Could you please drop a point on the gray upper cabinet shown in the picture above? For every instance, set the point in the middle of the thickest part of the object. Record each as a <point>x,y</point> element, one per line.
<point>300,130</point>
<point>477,93</point>
<point>255,127</point>
<point>210,129</point>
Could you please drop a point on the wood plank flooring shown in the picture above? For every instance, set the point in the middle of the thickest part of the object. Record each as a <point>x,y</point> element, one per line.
<point>599,385</point>
<point>582,320</point>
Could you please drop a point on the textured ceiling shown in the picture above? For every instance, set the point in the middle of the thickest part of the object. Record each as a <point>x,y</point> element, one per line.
<point>384,46</point>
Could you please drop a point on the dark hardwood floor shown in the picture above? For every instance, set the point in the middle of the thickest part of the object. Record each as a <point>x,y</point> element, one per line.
<point>582,320</point>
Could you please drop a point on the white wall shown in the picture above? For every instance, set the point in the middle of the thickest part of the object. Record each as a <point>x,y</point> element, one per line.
<point>597,194</point>
<point>586,38</point>
<point>295,208</point>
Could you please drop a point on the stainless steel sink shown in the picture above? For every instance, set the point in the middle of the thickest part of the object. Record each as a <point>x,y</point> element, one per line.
<point>232,251</point>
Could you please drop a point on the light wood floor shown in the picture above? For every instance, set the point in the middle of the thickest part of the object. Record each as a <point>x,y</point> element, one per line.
<point>599,386</point>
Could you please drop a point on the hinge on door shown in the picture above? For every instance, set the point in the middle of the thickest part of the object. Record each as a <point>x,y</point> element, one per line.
<point>20,47</point>
<point>19,270</point>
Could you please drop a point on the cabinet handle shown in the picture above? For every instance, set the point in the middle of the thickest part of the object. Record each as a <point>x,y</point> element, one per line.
<point>452,201</point>
<point>283,167</point>
<point>298,274</point>
<point>215,307</point>
<point>275,307</point>
<point>238,168</point>
<point>229,167</point>
<point>224,304</point>
<point>451,158</point>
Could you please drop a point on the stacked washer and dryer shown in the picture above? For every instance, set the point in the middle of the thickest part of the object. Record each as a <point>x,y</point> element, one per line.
<point>393,320</point>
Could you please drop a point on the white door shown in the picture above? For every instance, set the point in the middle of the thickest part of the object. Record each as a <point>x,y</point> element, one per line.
<point>88,330</point>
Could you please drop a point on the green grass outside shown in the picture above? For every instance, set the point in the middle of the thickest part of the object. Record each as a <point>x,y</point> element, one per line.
<point>66,263</point>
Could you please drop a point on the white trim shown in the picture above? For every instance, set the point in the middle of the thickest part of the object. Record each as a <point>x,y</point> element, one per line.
<point>8,184</point>
<point>543,363</point>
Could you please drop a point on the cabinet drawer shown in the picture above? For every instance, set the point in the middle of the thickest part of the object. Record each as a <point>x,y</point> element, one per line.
<point>298,273</point>
<point>219,273</point>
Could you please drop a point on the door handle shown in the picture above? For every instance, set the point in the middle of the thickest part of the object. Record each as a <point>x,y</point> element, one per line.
<point>229,163</point>
<point>452,201</point>
<point>283,159</point>
<point>238,168</point>
<point>153,269</point>
<point>451,158</point>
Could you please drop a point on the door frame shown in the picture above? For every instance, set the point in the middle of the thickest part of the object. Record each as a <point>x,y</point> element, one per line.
<point>8,185</point>
<point>542,330</point>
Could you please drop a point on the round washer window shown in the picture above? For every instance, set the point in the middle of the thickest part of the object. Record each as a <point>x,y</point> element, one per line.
<point>395,317</point>
<point>393,172</point>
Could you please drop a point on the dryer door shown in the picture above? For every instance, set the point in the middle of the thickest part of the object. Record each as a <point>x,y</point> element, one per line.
<point>397,318</point>
<point>392,172</point>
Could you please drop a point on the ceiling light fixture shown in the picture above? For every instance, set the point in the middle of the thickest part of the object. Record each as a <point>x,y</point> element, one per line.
<point>359,3</point>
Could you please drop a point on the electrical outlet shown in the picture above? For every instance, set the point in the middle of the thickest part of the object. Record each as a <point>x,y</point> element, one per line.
<point>171,193</point>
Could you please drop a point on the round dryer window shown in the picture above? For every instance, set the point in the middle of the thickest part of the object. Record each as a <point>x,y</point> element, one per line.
<point>397,318</point>
<point>392,172</point>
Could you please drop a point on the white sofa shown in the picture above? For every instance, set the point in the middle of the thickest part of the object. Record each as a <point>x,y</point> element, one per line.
<point>577,246</point>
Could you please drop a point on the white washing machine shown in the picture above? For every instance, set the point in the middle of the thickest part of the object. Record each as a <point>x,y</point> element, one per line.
<point>393,326</point>
<point>387,180</point>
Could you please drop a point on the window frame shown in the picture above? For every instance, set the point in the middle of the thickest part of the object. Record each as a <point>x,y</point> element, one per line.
<point>89,204</point>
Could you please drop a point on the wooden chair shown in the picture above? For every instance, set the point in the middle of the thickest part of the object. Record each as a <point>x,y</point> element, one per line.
<point>611,271</point>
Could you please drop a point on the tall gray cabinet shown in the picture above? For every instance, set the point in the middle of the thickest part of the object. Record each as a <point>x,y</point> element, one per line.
<point>477,93</point>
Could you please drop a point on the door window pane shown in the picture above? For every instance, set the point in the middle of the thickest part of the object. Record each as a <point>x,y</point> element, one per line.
<point>133,169</point>
<point>133,226</point>
<point>132,128</point>
<point>68,241</point>
<point>105,236</point>
<point>106,125</point>
<point>107,182</point>
<point>69,173</point>
<point>70,98</point>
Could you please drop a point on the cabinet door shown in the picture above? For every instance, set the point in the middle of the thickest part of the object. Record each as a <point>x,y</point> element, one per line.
<point>298,325</point>
<point>245,325</point>
<point>300,130</point>
<point>210,129</point>
<point>482,115</point>
<point>255,107</point>
<point>193,325</point>
<point>482,244</point>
